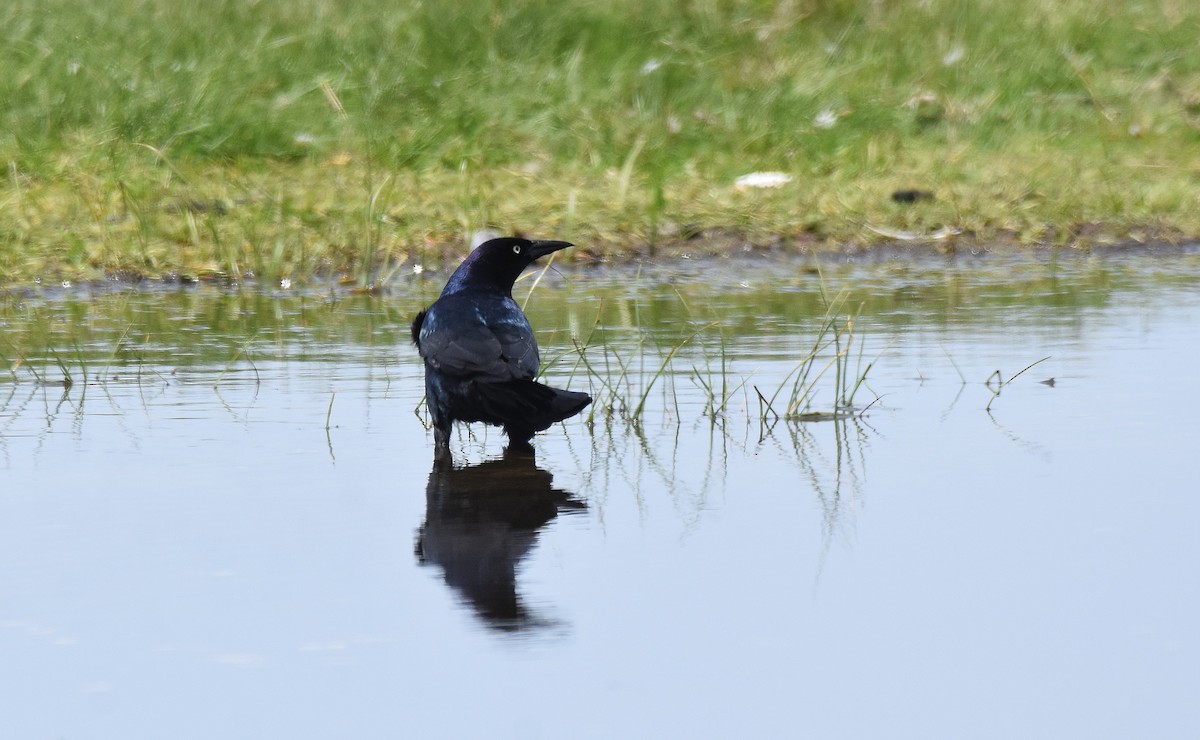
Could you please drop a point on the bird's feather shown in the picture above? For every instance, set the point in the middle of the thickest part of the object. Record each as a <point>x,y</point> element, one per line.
<point>525,406</point>
<point>478,337</point>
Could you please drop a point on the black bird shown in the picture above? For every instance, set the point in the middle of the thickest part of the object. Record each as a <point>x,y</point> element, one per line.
<point>479,350</point>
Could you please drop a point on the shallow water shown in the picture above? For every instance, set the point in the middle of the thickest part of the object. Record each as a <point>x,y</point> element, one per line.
<point>230,523</point>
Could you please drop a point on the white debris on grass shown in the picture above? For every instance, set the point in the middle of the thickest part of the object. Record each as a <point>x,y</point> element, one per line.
<point>762,180</point>
<point>825,119</point>
<point>651,66</point>
<point>911,236</point>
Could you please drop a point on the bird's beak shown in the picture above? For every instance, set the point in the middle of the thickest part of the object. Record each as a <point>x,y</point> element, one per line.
<point>543,247</point>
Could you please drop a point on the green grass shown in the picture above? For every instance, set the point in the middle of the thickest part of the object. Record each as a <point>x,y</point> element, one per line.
<point>326,137</point>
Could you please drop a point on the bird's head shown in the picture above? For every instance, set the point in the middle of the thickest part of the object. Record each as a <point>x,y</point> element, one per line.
<point>501,261</point>
<point>515,252</point>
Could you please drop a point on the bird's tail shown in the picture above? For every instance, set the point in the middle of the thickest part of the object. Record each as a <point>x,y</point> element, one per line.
<point>523,407</point>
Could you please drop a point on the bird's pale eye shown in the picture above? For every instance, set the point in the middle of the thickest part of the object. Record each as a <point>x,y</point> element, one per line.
<point>516,249</point>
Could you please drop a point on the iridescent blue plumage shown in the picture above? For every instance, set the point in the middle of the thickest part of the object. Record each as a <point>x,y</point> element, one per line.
<point>480,355</point>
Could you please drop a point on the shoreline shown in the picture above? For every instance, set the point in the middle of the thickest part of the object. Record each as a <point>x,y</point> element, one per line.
<point>690,253</point>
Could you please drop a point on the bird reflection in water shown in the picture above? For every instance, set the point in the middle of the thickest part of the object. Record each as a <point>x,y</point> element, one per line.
<point>480,522</point>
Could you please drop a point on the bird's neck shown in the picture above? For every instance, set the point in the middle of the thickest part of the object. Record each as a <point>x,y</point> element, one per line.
<point>472,284</point>
<point>478,277</point>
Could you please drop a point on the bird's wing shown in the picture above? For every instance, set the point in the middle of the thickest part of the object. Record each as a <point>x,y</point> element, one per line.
<point>486,339</point>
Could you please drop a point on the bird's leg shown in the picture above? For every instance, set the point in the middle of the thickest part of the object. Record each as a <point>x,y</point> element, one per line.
<point>441,445</point>
<point>516,450</point>
<point>519,440</point>
<point>441,437</point>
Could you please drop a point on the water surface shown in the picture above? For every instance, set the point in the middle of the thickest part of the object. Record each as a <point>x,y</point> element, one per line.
<point>220,515</point>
